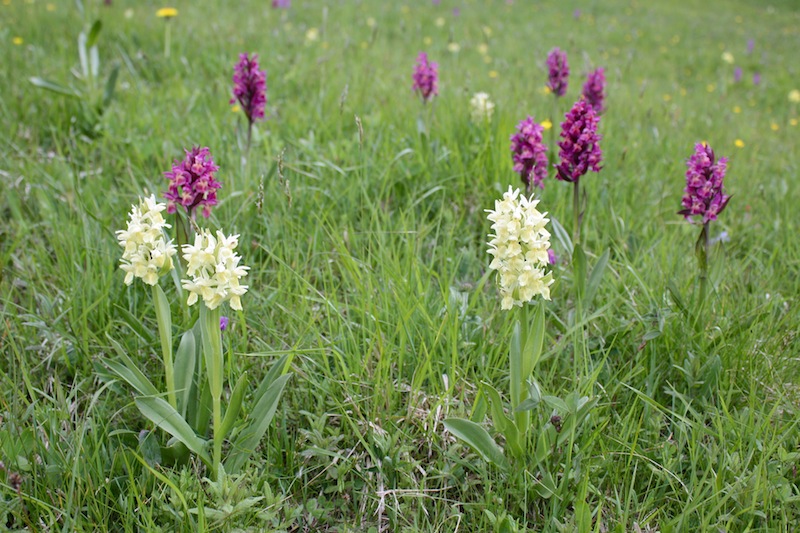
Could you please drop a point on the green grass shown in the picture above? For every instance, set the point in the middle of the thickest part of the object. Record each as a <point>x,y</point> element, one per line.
<point>368,263</point>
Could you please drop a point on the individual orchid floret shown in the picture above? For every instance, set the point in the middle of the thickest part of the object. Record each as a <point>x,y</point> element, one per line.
<point>519,247</point>
<point>147,255</point>
<point>192,183</point>
<point>704,194</point>
<point>579,148</point>
<point>481,108</point>
<point>594,90</point>
<point>558,71</point>
<point>426,77</point>
<point>214,270</point>
<point>529,153</point>
<point>250,87</point>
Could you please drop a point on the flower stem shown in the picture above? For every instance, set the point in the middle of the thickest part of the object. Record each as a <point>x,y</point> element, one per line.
<point>576,208</point>
<point>702,250</point>
<point>165,334</point>
<point>166,39</point>
<point>212,352</point>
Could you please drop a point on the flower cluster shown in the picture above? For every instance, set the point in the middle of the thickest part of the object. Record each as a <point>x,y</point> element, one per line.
<point>214,269</point>
<point>703,194</point>
<point>282,4</point>
<point>481,108</point>
<point>594,90</point>
<point>250,87</point>
<point>579,148</point>
<point>192,183</point>
<point>426,77</point>
<point>147,255</point>
<point>520,246</point>
<point>529,153</point>
<point>558,71</point>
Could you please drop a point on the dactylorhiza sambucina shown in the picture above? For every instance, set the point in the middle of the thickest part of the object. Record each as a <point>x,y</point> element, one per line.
<point>529,154</point>
<point>557,71</point>
<point>426,77</point>
<point>148,254</point>
<point>213,270</point>
<point>519,247</point>
<point>192,183</point>
<point>704,195</point>
<point>594,90</point>
<point>250,87</point>
<point>481,108</point>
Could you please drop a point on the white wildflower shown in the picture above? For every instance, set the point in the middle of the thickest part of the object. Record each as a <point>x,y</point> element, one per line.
<point>481,108</point>
<point>519,247</point>
<point>147,255</point>
<point>214,269</point>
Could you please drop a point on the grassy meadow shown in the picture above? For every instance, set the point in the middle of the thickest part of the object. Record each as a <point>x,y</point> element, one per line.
<point>361,215</point>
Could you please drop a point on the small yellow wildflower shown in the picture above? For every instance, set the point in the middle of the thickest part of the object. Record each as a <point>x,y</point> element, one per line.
<point>440,22</point>
<point>710,87</point>
<point>675,39</point>
<point>794,96</point>
<point>235,108</point>
<point>487,31</point>
<point>737,109</point>
<point>727,57</point>
<point>493,74</point>
<point>51,7</point>
<point>6,2</point>
<point>454,47</point>
<point>739,143</point>
<point>405,10</point>
<point>17,41</point>
<point>312,35</point>
<point>546,124</point>
<point>683,91</point>
<point>371,22</point>
<point>667,97</point>
<point>167,13</point>
<point>427,40</point>
<point>364,45</point>
<point>545,89</point>
<point>793,121</point>
<point>483,49</point>
<point>774,126</point>
<point>487,59</point>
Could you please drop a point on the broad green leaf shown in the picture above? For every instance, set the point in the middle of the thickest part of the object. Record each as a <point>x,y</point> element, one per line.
<point>212,348</point>
<point>234,405</point>
<point>129,372</point>
<point>135,324</point>
<point>477,438</point>
<point>54,87</point>
<point>163,415</point>
<point>149,448</point>
<point>279,368</point>
<point>545,486</point>
<point>479,407</point>
<point>94,62</point>
<point>596,277</point>
<point>94,33</point>
<point>561,235</point>
<point>499,418</point>
<point>83,55</point>
<point>512,430</point>
<point>185,362</point>
<point>556,403</point>
<point>516,379</point>
<point>204,409</point>
<point>111,85</point>
<point>534,341</point>
<point>257,424</point>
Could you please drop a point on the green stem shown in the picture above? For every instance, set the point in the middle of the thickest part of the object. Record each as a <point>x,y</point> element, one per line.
<point>576,208</point>
<point>164,321</point>
<point>212,352</point>
<point>166,39</point>
<point>702,249</point>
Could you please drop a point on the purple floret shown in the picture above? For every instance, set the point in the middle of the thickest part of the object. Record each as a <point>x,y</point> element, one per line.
<point>192,183</point>
<point>426,77</point>
<point>579,149</point>
<point>558,71</point>
<point>529,153</point>
<point>594,90</point>
<point>250,87</point>
<point>704,195</point>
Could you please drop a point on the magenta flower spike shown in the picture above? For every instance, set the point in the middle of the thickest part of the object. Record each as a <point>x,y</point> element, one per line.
<point>594,90</point>
<point>192,183</point>
<point>704,195</point>
<point>529,153</point>
<point>281,4</point>
<point>426,77</point>
<point>250,87</point>
<point>579,148</point>
<point>558,71</point>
